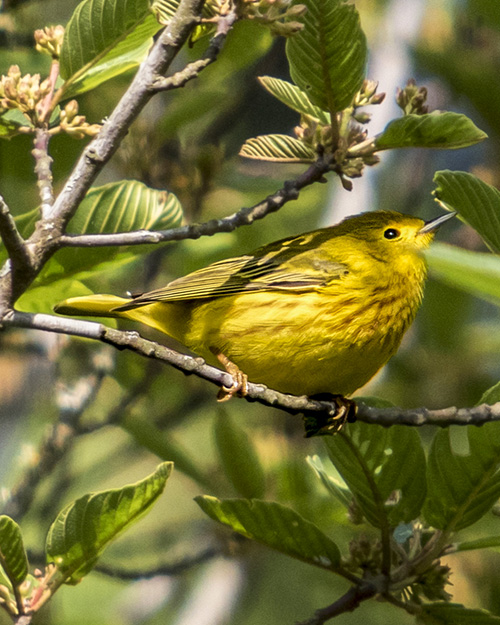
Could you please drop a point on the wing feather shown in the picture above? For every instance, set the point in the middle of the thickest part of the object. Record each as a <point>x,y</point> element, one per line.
<point>268,269</point>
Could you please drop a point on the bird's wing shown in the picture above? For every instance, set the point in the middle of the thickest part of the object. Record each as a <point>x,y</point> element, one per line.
<point>268,269</point>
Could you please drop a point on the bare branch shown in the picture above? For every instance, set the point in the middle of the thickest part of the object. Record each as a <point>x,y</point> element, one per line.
<point>12,239</point>
<point>179,79</point>
<point>176,568</point>
<point>59,440</point>
<point>292,404</point>
<point>43,170</point>
<point>102,148</point>
<point>347,603</point>
<point>244,217</point>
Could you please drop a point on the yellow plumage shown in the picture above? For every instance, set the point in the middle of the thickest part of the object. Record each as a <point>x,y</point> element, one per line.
<point>321,312</point>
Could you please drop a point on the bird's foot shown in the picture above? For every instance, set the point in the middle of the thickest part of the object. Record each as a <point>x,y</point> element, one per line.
<point>331,421</point>
<point>240,379</point>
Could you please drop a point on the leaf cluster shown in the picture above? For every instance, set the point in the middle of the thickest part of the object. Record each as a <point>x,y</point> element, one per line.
<point>74,542</point>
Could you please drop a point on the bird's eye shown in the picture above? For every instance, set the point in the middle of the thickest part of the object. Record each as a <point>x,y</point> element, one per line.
<point>391,233</point>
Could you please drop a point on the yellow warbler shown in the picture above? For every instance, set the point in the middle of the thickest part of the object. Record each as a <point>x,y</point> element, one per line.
<point>317,313</point>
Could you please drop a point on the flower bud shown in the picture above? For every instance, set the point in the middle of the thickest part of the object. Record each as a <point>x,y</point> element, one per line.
<point>49,40</point>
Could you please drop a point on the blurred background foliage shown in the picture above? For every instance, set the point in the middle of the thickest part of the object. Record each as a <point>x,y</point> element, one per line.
<point>187,141</point>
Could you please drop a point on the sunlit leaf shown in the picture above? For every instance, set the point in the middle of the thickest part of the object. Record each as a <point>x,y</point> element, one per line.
<point>276,526</point>
<point>433,130</point>
<point>384,470</point>
<point>85,527</point>
<point>328,56</point>
<point>454,614</point>
<point>13,559</point>
<point>164,10</point>
<point>103,39</point>
<point>488,542</point>
<point>278,148</point>
<point>474,272</point>
<point>10,122</point>
<point>338,490</point>
<point>461,489</point>
<point>238,457</point>
<point>294,98</point>
<point>41,299</point>
<point>475,201</point>
<point>491,396</point>
<point>116,207</point>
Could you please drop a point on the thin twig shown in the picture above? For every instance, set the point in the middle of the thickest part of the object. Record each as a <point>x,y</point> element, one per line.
<point>347,603</point>
<point>179,79</point>
<point>477,415</point>
<point>170,570</point>
<point>244,217</point>
<point>58,441</point>
<point>102,148</point>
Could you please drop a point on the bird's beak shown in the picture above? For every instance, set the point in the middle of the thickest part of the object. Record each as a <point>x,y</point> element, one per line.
<point>433,224</point>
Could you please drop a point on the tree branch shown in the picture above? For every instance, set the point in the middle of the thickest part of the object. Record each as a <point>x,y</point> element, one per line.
<point>59,440</point>
<point>244,217</point>
<point>292,404</point>
<point>176,568</point>
<point>179,79</point>
<point>347,603</point>
<point>101,149</point>
<point>43,170</point>
<point>14,243</point>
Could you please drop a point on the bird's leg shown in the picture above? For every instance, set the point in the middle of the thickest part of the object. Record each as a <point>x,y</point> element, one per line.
<point>240,379</point>
<point>324,424</point>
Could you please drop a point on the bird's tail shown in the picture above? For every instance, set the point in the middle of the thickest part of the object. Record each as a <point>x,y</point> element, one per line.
<point>92,306</point>
<point>170,318</point>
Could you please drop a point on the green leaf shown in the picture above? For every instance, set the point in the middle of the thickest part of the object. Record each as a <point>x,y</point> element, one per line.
<point>477,203</point>
<point>488,542</point>
<point>10,122</point>
<point>275,526</point>
<point>338,490</point>
<point>328,56</point>
<point>294,98</point>
<point>13,559</point>
<point>462,489</point>
<point>239,457</point>
<point>442,613</point>
<point>116,207</point>
<point>41,299</point>
<point>491,396</point>
<point>85,527</point>
<point>104,38</point>
<point>164,10</point>
<point>278,148</point>
<point>446,131</point>
<point>375,464</point>
<point>474,272</point>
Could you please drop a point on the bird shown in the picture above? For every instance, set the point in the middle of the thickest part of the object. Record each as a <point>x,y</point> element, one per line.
<point>318,313</point>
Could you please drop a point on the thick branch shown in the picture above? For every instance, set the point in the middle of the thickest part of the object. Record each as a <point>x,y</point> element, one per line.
<point>43,170</point>
<point>243,217</point>
<point>292,404</point>
<point>12,239</point>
